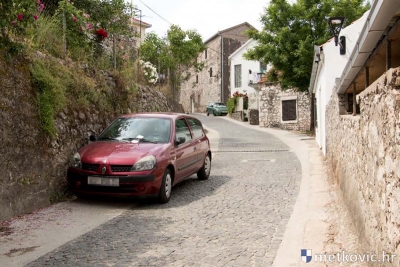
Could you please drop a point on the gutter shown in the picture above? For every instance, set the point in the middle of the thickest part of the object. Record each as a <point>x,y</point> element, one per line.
<point>381,13</point>
<point>315,68</point>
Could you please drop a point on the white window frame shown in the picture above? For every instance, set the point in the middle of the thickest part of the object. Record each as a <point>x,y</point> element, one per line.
<point>237,76</point>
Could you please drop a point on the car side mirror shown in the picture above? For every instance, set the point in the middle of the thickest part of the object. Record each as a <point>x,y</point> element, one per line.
<point>180,140</point>
<point>92,138</point>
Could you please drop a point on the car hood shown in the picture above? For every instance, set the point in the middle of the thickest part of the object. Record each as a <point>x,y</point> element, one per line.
<point>118,153</point>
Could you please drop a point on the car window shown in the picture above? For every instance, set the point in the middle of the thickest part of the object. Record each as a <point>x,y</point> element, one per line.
<point>219,104</point>
<point>196,127</point>
<point>135,128</point>
<point>182,130</point>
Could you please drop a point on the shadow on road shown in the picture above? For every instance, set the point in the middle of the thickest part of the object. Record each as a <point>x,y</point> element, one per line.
<point>187,192</point>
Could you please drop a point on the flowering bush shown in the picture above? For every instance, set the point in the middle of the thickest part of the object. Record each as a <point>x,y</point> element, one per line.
<point>102,34</point>
<point>231,104</point>
<point>149,72</point>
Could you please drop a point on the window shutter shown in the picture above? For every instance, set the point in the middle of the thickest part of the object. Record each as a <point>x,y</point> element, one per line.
<point>289,110</point>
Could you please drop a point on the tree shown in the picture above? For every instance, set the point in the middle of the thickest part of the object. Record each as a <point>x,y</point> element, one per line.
<point>177,52</point>
<point>290,32</point>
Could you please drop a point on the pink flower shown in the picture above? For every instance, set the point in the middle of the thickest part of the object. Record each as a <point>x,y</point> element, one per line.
<point>38,1</point>
<point>35,17</point>
<point>20,17</point>
<point>89,26</point>
<point>13,22</point>
<point>74,18</point>
<point>41,7</point>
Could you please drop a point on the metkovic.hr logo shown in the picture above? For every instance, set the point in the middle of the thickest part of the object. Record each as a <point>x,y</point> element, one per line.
<point>306,255</point>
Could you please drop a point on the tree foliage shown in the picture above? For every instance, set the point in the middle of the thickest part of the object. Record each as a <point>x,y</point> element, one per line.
<point>176,52</point>
<point>290,32</point>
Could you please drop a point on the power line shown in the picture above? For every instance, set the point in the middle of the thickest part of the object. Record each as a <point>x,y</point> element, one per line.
<point>155,12</point>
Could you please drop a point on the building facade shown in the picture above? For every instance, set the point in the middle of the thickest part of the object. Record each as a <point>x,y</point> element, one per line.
<point>212,83</point>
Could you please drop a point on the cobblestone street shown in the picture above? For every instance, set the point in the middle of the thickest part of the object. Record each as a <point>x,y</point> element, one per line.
<point>236,218</point>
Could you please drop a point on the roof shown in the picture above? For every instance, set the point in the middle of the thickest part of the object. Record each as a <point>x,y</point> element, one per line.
<point>170,115</point>
<point>228,29</point>
<point>379,17</point>
<point>138,22</point>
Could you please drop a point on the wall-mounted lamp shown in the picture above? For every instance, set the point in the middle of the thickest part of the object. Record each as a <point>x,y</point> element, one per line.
<point>335,25</point>
<point>211,73</point>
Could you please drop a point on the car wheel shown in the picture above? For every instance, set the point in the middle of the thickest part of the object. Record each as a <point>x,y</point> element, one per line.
<point>205,171</point>
<point>208,114</point>
<point>214,113</point>
<point>166,186</point>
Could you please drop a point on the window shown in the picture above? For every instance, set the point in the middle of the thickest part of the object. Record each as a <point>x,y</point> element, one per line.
<point>263,67</point>
<point>196,127</point>
<point>182,130</point>
<point>198,99</point>
<point>238,76</point>
<point>289,110</point>
<point>197,78</point>
<point>205,54</point>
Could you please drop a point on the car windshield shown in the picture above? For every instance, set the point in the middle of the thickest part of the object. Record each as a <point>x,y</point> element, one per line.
<point>138,129</point>
<point>219,104</point>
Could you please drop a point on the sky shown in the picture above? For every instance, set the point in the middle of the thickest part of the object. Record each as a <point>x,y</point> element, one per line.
<point>207,17</point>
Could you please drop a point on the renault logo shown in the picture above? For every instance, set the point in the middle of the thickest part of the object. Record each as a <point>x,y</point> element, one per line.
<point>103,170</point>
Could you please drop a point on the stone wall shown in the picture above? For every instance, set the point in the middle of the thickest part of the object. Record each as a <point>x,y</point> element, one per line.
<point>203,89</point>
<point>362,152</point>
<point>34,165</point>
<point>270,114</point>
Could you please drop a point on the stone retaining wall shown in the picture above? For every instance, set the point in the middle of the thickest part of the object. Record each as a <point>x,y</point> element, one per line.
<point>34,165</point>
<point>362,152</point>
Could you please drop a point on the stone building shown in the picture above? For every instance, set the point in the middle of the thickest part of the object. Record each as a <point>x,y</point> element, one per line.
<point>285,109</point>
<point>212,83</point>
<point>362,125</point>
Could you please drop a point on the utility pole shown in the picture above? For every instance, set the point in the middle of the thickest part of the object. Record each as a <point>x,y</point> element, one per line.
<point>140,42</point>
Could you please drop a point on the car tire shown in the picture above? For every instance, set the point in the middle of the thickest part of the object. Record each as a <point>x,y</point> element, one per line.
<point>208,114</point>
<point>214,113</point>
<point>164,195</point>
<point>205,171</point>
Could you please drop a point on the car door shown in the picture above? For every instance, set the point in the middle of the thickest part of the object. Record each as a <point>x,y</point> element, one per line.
<point>199,142</point>
<point>185,152</point>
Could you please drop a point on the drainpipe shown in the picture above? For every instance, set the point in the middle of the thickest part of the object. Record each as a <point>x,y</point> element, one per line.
<point>222,68</point>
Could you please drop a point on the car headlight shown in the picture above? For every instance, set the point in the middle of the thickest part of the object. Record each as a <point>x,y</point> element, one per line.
<point>76,161</point>
<point>146,163</point>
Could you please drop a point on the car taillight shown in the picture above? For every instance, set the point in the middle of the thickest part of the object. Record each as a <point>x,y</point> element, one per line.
<point>77,184</point>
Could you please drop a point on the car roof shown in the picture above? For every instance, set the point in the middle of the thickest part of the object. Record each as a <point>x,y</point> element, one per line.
<point>166,115</point>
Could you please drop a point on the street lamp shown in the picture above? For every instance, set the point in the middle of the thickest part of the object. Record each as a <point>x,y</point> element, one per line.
<point>335,25</point>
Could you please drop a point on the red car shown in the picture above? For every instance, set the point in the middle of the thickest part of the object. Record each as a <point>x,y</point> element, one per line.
<point>141,154</point>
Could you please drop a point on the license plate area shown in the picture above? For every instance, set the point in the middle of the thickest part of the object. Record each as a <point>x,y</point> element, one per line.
<point>103,181</point>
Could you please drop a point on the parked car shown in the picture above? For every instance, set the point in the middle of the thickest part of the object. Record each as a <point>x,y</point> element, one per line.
<point>217,109</point>
<point>139,155</point>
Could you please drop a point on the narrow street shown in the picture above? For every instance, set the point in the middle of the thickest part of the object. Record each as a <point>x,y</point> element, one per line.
<point>236,218</point>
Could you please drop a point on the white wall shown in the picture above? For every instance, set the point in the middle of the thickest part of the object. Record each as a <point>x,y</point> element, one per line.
<point>254,66</point>
<point>330,68</point>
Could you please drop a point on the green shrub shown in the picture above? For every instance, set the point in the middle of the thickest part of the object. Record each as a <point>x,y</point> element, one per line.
<point>231,104</point>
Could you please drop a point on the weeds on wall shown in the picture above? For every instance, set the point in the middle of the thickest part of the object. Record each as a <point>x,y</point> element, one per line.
<point>52,82</point>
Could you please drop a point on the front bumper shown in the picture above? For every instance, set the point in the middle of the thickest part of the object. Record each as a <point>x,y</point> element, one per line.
<point>129,186</point>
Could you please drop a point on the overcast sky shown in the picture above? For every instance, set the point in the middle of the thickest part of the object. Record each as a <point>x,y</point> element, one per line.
<point>206,16</point>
